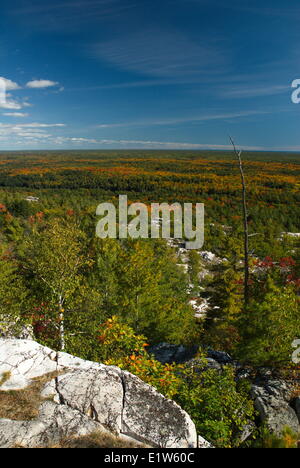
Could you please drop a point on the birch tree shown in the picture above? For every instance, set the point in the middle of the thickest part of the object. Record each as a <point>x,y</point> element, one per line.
<point>54,258</point>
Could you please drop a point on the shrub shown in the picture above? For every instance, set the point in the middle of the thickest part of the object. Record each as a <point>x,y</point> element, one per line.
<point>219,407</point>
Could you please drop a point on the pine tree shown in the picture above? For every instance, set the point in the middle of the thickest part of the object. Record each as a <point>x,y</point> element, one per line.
<point>270,327</point>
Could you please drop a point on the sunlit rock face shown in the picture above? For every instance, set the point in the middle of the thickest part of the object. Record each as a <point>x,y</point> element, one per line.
<point>80,397</point>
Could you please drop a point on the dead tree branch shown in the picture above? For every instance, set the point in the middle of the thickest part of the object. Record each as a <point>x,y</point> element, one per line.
<point>245,219</point>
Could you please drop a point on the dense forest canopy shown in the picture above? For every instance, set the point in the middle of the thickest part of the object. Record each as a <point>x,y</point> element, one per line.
<point>86,178</point>
<point>108,300</point>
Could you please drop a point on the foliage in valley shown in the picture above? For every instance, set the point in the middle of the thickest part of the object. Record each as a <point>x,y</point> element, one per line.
<point>107,300</point>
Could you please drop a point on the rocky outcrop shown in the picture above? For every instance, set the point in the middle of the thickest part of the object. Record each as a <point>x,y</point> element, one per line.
<point>84,397</point>
<point>274,405</point>
<point>273,397</point>
<point>55,423</point>
<point>297,407</point>
<point>17,331</point>
<point>167,353</point>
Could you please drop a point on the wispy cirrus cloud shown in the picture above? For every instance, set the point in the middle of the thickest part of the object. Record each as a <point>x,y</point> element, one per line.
<point>164,54</point>
<point>268,8</point>
<point>69,14</point>
<point>34,139</point>
<point>150,144</point>
<point>136,84</point>
<point>60,140</point>
<point>250,91</point>
<point>182,120</point>
<point>43,125</point>
<point>172,145</point>
<point>15,114</point>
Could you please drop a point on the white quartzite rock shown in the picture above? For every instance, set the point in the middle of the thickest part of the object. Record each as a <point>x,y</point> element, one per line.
<point>142,399</point>
<point>85,397</point>
<point>24,360</point>
<point>54,423</point>
<point>97,393</point>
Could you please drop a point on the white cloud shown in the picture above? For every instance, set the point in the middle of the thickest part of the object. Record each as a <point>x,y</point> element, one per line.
<point>31,125</point>
<point>6,99</point>
<point>10,104</point>
<point>38,84</point>
<point>9,84</point>
<point>25,103</point>
<point>7,102</point>
<point>15,114</point>
<point>31,132</point>
<point>62,140</point>
<point>40,135</point>
<point>41,125</point>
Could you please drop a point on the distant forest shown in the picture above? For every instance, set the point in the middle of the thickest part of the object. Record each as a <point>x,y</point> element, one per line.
<point>109,300</point>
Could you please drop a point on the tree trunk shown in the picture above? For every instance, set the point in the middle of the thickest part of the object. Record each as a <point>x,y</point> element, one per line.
<point>137,312</point>
<point>245,219</point>
<point>61,325</point>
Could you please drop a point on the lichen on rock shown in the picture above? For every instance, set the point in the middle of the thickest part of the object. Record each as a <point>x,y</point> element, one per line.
<point>83,397</point>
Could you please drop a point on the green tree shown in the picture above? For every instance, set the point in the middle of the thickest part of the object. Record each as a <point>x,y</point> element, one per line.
<point>144,286</point>
<point>268,327</point>
<point>105,275</point>
<point>226,300</point>
<point>139,282</point>
<point>12,292</point>
<point>54,259</point>
<point>219,406</point>
<point>194,270</point>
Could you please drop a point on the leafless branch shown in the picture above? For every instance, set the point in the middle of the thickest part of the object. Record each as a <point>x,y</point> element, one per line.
<point>245,216</point>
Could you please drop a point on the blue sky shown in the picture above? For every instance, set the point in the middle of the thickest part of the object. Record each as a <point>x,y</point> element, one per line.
<point>149,74</point>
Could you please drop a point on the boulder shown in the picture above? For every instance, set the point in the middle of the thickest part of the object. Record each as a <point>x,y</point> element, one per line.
<point>167,353</point>
<point>199,366</point>
<point>202,443</point>
<point>24,360</point>
<point>274,411</point>
<point>297,407</point>
<point>55,423</point>
<point>96,393</point>
<point>174,428</point>
<point>220,356</point>
<point>82,397</point>
<point>279,389</point>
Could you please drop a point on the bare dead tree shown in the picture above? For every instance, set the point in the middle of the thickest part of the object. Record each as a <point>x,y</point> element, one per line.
<point>238,154</point>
